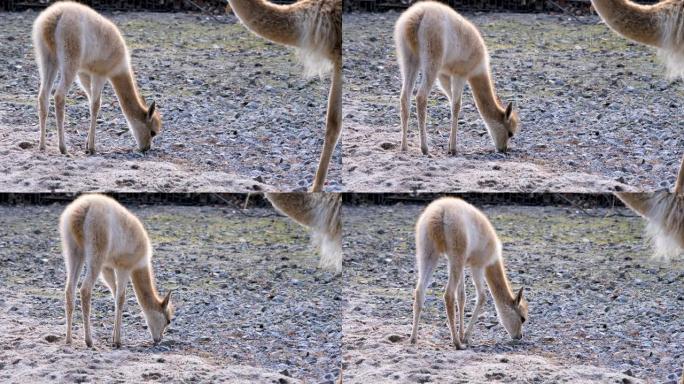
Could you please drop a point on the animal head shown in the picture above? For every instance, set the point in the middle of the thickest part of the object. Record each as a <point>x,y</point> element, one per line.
<point>514,316</point>
<point>502,131</point>
<point>146,129</point>
<point>160,318</point>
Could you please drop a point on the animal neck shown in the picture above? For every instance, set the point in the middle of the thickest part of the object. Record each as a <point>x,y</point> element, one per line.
<point>499,285</point>
<point>278,23</point>
<point>126,91</point>
<point>641,23</point>
<point>638,202</point>
<point>145,291</point>
<point>485,97</point>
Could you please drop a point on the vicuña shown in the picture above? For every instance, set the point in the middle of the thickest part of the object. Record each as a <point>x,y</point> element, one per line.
<point>455,229</point>
<point>73,41</point>
<point>112,243</point>
<point>434,39</point>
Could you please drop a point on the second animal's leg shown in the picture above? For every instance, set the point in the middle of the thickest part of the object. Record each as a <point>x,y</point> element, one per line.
<point>480,291</point>
<point>332,129</point>
<point>457,85</point>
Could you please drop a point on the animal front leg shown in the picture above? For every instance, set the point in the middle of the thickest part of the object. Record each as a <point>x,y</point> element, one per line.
<point>457,85</point>
<point>96,85</point>
<point>480,289</point>
<point>121,282</point>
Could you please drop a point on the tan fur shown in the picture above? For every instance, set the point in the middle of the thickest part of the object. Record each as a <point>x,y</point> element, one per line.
<point>434,39</point>
<point>75,41</point>
<point>665,214</point>
<point>314,27</point>
<point>112,243</point>
<point>660,25</point>
<point>319,212</point>
<point>455,229</point>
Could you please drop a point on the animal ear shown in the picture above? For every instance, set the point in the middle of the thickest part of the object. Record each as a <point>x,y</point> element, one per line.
<point>519,296</point>
<point>509,111</point>
<point>167,298</point>
<point>150,111</point>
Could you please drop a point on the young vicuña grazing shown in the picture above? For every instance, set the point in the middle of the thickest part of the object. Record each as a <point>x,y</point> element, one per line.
<point>665,214</point>
<point>321,213</point>
<point>112,243</point>
<point>444,46</point>
<point>659,25</point>
<point>315,28</point>
<point>453,228</point>
<point>73,40</point>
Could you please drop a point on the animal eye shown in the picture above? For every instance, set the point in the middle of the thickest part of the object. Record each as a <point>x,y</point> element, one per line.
<point>522,319</point>
<point>510,134</point>
<point>153,133</point>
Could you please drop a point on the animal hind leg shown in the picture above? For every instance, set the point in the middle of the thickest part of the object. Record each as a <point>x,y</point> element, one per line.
<point>455,276</point>
<point>427,259</point>
<point>430,56</point>
<point>68,74</point>
<point>74,259</point>
<point>48,73</point>
<point>409,71</point>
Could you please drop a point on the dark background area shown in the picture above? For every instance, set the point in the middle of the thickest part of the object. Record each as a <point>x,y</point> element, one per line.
<point>237,200</point>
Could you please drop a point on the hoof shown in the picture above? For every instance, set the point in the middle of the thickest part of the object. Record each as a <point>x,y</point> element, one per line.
<point>41,147</point>
<point>89,344</point>
<point>404,147</point>
<point>116,345</point>
<point>64,151</point>
<point>459,346</point>
<point>412,340</point>
<point>425,151</point>
<point>90,151</point>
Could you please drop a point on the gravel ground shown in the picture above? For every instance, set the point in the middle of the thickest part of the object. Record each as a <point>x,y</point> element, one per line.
<point>237,114</point>
<point>597,112</point>
<point>600,309</point>
<point>252,307</point>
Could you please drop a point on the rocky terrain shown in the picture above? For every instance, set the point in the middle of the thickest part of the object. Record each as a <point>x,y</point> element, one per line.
<point>237,114</point>
<point>251,306</point>
<point>597,112</point>
<point>601,311</point>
